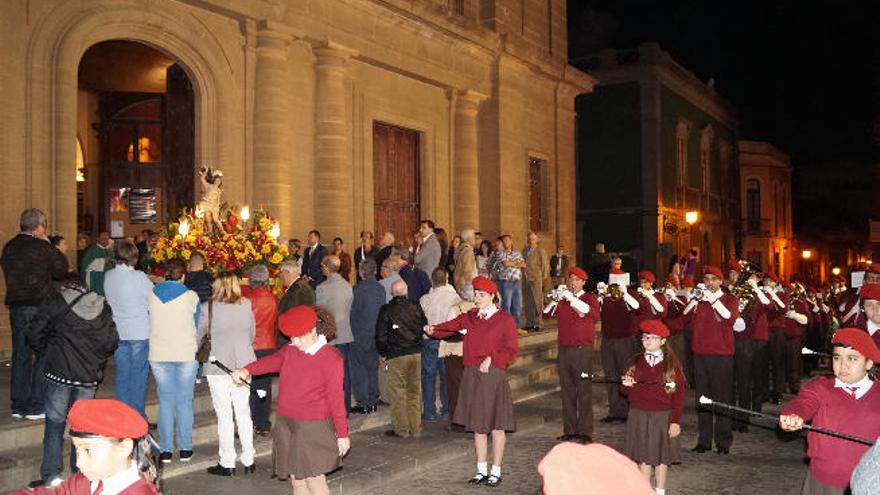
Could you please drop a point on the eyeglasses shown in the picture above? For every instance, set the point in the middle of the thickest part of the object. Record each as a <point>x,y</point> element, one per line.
<point>648,336</point>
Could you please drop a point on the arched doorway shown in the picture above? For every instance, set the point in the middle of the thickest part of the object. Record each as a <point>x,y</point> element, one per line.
<point>135,113</point>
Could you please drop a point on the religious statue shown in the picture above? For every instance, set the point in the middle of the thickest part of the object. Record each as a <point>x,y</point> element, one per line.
<point>209,205</point>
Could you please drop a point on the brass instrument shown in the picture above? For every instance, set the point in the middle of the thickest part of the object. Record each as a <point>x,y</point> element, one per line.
<point>798,293</point>
<point>612,291</point>
<point>742,289</point>
<point>696,293</point>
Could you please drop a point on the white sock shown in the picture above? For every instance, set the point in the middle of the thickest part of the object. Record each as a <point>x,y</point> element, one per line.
<point>496,471</point>
<point>660,491</point>
<point>483,468</point>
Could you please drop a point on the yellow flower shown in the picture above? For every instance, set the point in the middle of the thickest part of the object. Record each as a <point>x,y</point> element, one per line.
<point>276,258</point>
<point>186,253</point>
<point>266,249</point>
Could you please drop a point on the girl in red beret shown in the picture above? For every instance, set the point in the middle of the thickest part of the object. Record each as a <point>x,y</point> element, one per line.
<point>848,403</point>
<point>484,399</point>
<point>310,435</point>
<point>654,383</point>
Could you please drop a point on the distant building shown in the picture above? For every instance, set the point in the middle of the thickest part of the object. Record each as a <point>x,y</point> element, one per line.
<point>654,143</point>
<point>765,175</point>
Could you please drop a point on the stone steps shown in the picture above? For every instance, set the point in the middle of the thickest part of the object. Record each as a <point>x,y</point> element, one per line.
<point>534,372</point>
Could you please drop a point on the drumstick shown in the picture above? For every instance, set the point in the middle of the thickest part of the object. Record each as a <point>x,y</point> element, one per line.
<point>260,392</point>
<point>809,352</point>
<point>601,379</point>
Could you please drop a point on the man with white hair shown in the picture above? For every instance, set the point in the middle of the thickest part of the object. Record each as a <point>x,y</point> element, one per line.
<point>386,245</point>
<point>465,265</point>
<point>297,291</point>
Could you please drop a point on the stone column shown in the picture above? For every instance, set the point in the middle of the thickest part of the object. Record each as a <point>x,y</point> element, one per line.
<point>566,176</point>
<point>273,171</point>
<point>465,162</point>
<point>333,169</point>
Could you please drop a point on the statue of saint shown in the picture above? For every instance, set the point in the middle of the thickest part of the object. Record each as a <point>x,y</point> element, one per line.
<point>212,182</point>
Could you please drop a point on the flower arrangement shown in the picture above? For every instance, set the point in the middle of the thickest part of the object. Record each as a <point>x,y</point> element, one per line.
<point>242,243</point>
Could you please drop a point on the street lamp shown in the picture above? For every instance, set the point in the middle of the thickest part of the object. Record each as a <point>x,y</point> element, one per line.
<point>807,254</point>
<point>835,271</point>
<point>692,217</point>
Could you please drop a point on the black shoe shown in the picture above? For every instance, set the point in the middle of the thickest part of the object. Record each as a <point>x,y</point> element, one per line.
<point>186,455</point>
<point>260,432</point>
<point>493,481</point>
<point>723,450</point>
<point>394,434</point>
<point>357,410</point>
<point>478,479</point>
<point>564,438</point>
<point>36,483</point>
<point>584,439</point>
<point>250,469</point>
<point>609,419</point>
<point>700,449</point>
<point>219,470</point>
<point>165,457</point>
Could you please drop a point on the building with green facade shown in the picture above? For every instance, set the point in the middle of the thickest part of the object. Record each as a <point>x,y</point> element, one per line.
<point>656,147</point>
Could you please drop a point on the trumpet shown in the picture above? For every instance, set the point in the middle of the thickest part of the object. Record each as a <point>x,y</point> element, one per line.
<point>557,294</point>
<point>697,292</point>
<point>613,291</point>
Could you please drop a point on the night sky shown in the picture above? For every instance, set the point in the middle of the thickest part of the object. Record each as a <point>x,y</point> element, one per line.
<point>803,75</point>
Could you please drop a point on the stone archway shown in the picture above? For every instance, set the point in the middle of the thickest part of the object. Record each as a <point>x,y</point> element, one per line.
<point>57,44</point>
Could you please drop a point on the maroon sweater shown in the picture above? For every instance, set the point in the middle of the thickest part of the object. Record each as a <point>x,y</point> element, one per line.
<point>794,330</point>
<point>575,330</point>
<point>646,311</point>
<point>757,326</point>
<point>674,318</point>
<point>832,460</point>
<point>495,337</point>
<point>713,335</point>
<point>776,315</point>
<point>78,484</point>
<point>846,302</point>
<point>650,397</point>
<point>616,320</point>
<point>310,387</point>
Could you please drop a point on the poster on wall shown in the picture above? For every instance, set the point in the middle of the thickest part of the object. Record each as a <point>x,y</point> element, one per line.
<point>142,205</point>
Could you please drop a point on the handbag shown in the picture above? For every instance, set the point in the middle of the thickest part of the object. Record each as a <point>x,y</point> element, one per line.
<point>204,350</point>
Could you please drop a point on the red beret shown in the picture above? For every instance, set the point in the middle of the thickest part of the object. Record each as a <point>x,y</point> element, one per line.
<point>482,283</point>
<point>647,276</point>
<point>773,276</point>
<point>689,282</point>
<point>673,280</point>
<point>616,271</point>
<point>106,418</point>
<point>734,265</point>
<point>713,270</point>
<point>297,321</point>
<point>859,340</point>
<point>578,272</point>
<point>655,327</point>
<point>870,291</point>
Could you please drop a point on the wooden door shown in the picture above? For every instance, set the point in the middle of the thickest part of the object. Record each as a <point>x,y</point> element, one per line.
<point>395,180</point>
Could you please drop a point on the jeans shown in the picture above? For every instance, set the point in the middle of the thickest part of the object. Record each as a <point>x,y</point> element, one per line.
<point>175,385</point>
<point>59,400</point>
<point>28,387</point>
<point>511,298</point>
<point>432,365</point>
<point>261,408</point>
<point>364,367</point>
<point>132,369</point>
<point>346,374</point>
<point>227,397</point>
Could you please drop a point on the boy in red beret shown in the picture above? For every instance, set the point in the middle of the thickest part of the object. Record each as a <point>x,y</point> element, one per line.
<point>111,451</point>
<point>871,304</point>
<point>848,403</point>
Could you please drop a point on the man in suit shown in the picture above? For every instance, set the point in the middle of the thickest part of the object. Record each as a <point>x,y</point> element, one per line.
<point>335,294</point>
<point>297,292</point>
<point>559,266</point>
<point>428,252</point>
<point>537,270</point>
<point>312,258</point>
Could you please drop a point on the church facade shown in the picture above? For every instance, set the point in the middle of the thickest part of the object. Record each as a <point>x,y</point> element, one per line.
<point>339,115</point>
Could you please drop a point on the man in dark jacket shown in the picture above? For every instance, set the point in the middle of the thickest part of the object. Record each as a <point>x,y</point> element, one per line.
<point>417,281</point>
<point>368,299</point>
<point>399,341</point>
<point>74,331</point>
<point>312,258</point>
<point>297,292</point>
<point>30,264</point>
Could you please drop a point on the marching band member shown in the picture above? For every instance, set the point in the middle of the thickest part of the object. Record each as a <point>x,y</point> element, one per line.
<point>712,318</point>
<point>652,305</point>
<point>849,309</point>
<point>871,303</point>
<point>750,353</point>
<point>796,320</point>
<point>654,423</point>
<point>675,319</point>
<point>848,403</point>
<point>776,343</point>
<point>619,342</point>
<point>484,400</point>
<point>577,313</point>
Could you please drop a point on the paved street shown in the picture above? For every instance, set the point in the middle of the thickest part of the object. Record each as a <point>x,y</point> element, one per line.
<point>439,463</point>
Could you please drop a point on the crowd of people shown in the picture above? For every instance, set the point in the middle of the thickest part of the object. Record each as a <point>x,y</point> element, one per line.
<point>428,326</point>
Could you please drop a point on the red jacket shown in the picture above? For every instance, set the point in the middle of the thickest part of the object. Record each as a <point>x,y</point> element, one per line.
<point>832,460</point>
<point>78,484</point>
<point>265,308</point>
<point>495,337</point>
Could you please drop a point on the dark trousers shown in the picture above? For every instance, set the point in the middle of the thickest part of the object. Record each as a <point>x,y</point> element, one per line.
<point>346,374</point>
<point>28,389</point>
<point>59,400</point>
<point>714,379</point>
<point>454,366</point>
<point>793,364</point>
<point>688,358</point>
<point>776,348</point>
<point>364,367</point>
<point>616,354</point>
<point>743,367</point>
<point>678,344</point>
<point>261,409</point>
<point>760,375</point>
<point>432,367</point>
<point>577,394</point>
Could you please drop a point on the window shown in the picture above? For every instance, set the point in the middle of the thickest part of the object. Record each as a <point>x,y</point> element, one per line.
<point>681,138</point>
<point>753,205</point>
<point>708,135</point>
<point>537,197</point>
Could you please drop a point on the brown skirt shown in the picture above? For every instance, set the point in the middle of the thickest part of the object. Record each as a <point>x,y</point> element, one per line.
<point>814,487</point>
<point>484,401</point>
<point>647,438</point>
<point>304,449</point>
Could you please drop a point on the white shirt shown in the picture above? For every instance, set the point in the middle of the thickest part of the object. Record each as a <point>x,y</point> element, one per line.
<point>862,386</point>
<point>487,313</point>
<point>654,358</point>
<point>118,482</point>
<point>437,303</point>
<point>314,348</point>
<point>872,328</point>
